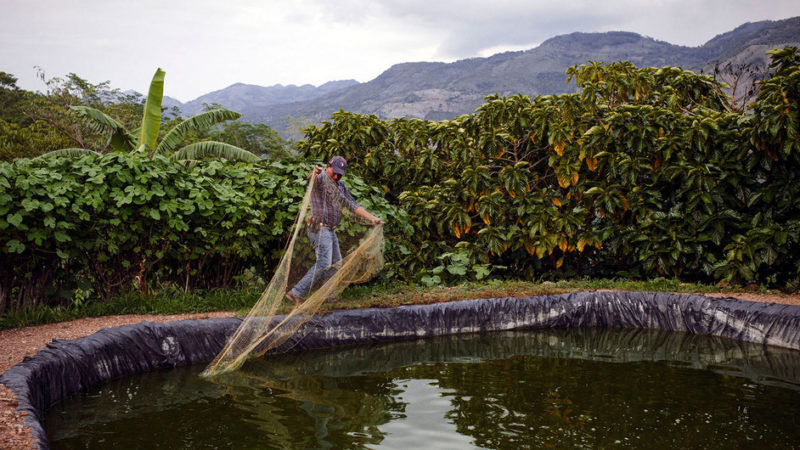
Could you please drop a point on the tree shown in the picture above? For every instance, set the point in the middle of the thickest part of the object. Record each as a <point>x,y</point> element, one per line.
<point>146,138</point>
<point>259,139</point>
<point>21,141</point>
<point>11,98</point>
<point>62,94</point>
<point>296,126</point>
<point>21,133</point>
<point>641,173</point>
<point>738,84</point>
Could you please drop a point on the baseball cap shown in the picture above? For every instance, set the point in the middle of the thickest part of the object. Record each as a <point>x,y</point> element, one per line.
<point>339,165</point>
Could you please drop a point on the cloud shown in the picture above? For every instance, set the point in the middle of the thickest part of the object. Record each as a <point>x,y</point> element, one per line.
<point>466,28</point>
<point>205,45</point>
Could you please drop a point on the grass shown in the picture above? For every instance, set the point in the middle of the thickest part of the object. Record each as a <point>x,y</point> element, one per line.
<point>168,301</point>
<point>173,301</point>
<point>403,294</point>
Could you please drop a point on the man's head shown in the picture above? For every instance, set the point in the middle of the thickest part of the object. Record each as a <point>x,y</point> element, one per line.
<point>336,167</point>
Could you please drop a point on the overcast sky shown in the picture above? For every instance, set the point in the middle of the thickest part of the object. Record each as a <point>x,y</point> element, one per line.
<point>208,45</point>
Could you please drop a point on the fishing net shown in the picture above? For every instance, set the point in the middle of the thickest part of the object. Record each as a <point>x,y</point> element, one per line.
<point>263,329</point>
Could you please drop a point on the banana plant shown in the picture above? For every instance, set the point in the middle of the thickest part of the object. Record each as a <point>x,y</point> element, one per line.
<point>68,152</point>
<point>145,138</point>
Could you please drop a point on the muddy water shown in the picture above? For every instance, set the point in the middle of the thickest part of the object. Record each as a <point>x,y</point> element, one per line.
<point>531,389</point>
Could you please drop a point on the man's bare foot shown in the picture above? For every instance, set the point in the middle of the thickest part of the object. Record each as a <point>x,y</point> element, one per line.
<point>291,296</point>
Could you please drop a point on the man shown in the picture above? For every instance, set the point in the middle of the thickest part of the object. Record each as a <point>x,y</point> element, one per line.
<point>327,198</point>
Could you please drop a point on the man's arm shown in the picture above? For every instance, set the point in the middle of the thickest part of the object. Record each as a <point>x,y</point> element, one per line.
<point>359,210</point>
<point>366,214</point>
<point>333,191</point>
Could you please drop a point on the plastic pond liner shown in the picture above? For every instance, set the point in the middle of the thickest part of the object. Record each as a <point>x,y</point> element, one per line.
<point>585,387</point>
<point>67,367</point>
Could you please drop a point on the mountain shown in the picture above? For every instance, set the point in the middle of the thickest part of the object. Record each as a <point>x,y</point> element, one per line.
<point>749,43</point>
<point>168,102</point>
<point>240,96</point>
<point>437,91</point>
<point>443,90</point>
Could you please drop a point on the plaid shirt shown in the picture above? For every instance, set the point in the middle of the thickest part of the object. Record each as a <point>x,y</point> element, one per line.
<point>327,200</point>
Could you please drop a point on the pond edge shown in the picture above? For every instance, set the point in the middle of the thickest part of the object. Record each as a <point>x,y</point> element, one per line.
<point>69,366</point>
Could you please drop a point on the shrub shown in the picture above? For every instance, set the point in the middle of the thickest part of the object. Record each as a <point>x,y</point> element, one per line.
<point>642,173</point>
<point>102,223</point>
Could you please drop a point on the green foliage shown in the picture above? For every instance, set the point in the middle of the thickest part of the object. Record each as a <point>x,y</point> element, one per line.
<point>120,139</point>
<point>32,124</point>
<point>642,173</point>
<point>77,114</point>
<point>777,129</point>
<point>455,267</point>
<point>151,120</point>
<point>107,223</point>
<point>165,301</point>
<point>201,121</point>
<point>29,140</point>
<point>259,139</point>
<point>12,98</point>
<point>68,152</point>
<point>201,150</point>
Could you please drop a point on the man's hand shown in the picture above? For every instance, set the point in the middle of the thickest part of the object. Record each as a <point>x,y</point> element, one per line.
<point>364,214</point>
<point>317,170</point>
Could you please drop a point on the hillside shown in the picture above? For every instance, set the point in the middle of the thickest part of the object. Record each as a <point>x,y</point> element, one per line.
<point>240,96</point>
<point>435,90</point>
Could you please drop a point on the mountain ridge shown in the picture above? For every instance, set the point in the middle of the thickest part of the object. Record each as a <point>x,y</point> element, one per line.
<point>238,96</point>
<point>439,90</point>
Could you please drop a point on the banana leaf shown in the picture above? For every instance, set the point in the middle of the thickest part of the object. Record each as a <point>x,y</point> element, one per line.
<point>67,152</point>
<point>119,138</point>
<point>214,149</point>
<point>198,122</point>
<point>151,119</point>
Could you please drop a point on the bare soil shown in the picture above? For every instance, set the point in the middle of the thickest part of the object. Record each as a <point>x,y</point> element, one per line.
<point>21,342</point>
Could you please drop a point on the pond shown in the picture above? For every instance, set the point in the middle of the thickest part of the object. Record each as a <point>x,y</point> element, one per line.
<point>536,388</point>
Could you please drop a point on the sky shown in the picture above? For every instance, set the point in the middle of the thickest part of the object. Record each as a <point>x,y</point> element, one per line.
<point>205,46</point>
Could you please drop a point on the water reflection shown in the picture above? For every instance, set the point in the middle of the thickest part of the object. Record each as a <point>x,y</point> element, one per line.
<point>529,389</point>
<point>426,404</point>
<point>726,356</point>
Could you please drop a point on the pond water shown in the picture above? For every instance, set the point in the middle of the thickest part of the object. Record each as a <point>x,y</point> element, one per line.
<point>526,389</point>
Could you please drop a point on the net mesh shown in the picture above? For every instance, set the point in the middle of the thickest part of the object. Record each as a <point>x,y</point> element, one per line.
<point>262,329</point>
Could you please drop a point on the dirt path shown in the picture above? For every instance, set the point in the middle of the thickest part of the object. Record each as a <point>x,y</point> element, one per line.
<point>15,344</point>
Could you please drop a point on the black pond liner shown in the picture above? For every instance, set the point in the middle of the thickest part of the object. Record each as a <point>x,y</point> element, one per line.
<point>66,367</point>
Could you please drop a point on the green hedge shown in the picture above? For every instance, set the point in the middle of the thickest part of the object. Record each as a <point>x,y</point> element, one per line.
<point>644,172</point>
<point>97,225</point>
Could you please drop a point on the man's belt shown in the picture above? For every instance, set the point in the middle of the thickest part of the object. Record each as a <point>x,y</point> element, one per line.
<point>315,223</point>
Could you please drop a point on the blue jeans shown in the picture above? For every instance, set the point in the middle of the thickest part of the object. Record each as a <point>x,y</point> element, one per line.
<point>326,247</point>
